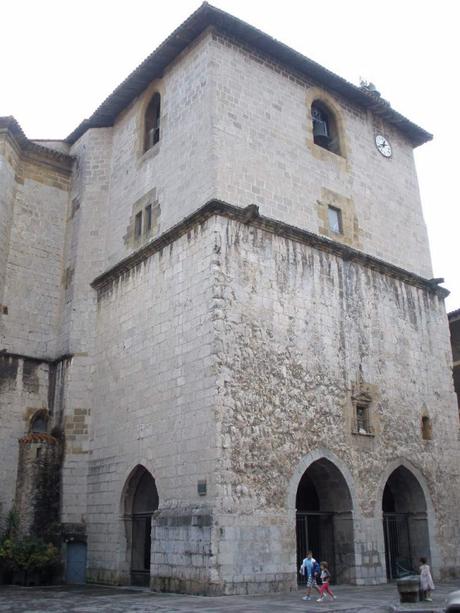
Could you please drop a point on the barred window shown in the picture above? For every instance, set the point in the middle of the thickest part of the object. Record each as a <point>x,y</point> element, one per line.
<point>362,419</point>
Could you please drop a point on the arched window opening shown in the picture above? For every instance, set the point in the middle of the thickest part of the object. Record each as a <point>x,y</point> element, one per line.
<point>325,132</point>
<point>141,500</point>
<point>427,430</point>
<point>152,122</point>
<point>324,518</point>
<point>39,423</point>
<point>405,523</point>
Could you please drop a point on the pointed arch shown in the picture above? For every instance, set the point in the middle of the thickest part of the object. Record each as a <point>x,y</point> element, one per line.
<point>416,473</point>
<point>405,505</point>
<point>321,500</point>
<point>127,481</point>
<point>139,500</point>
<point>38,422</point>
<point>303,465</point>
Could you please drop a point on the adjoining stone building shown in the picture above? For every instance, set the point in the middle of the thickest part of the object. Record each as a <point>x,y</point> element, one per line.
<point>217,312</point>
<point>454,327</point>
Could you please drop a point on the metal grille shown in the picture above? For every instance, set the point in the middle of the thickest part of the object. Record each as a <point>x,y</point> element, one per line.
<point>398,552</point>
<point>315,532</point>
<point>362,418</point>
<point>141,545</point>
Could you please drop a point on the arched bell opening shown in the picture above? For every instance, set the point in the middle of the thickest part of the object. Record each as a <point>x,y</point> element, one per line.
<point>405,523</point>
<point>140,501</point>
<point>325,128</point>
<point>324,519</point>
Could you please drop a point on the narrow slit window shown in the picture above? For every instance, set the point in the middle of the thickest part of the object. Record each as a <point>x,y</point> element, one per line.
<point>427,432</point>
<point>152,122</point>
<point>335,220</point>
<point>138,225</point>
<point>148,218</point>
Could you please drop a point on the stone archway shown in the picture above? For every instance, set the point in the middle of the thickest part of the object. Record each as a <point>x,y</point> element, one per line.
<point>140,501</point>
<point>405,523</point>
<point>324,516</point>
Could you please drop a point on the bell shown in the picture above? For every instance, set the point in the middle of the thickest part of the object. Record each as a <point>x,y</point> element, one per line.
<point>320,128</point>
<point>153,136</point>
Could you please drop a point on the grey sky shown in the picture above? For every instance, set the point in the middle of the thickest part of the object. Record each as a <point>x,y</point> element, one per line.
<point>60,60</point>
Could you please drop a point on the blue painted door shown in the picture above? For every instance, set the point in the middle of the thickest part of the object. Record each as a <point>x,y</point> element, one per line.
<point>76,563</point>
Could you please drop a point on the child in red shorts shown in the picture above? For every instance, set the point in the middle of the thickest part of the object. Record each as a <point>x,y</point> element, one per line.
<point>325,578</point>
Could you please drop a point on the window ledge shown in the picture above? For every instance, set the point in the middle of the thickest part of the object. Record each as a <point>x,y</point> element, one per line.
<point>370,434</point>
<point>329,152</point>
<point>152,152</point>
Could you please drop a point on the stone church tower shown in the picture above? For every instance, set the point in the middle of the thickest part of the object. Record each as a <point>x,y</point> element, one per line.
<point>218,325</point>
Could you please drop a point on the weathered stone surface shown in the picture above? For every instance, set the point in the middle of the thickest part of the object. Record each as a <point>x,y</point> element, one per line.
<point>293,337</point>
<point>224,348</point>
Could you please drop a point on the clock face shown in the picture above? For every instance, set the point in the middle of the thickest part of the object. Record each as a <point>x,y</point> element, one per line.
<point>383,145</point>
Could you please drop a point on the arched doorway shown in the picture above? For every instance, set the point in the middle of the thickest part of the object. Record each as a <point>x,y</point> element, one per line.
<point>405,524</point>
<point>141,500</point>
<point>324,521</point>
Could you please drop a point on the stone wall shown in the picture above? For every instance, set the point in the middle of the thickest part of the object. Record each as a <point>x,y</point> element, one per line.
<point>23,391</point>
<point>153,405</point>
<point>37,500</point>
<point>182,551</point>
<point>455,337</point>
<point>8,164</point>
<point>297,329</point>
<point>32,290</point>
<point>84,258</point>
<point>263,143</point>
<point>52,257</point>
<point>454,327</point>
<point>177,175</point>
<point>236,126</point>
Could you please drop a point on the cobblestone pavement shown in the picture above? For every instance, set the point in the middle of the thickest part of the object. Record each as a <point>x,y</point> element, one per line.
<point>100,599</point>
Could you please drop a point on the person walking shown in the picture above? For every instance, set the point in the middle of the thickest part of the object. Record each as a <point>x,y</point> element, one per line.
<point>325,578</point>
<point>307,569</point>
<point>426,580</point>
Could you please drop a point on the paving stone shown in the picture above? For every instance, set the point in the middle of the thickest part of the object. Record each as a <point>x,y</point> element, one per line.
<point>99,599</point>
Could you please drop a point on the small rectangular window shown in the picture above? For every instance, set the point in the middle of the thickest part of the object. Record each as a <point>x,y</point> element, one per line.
<point>335,219</point>
<point>138,225</point>
<point>148,218</point>
<point>362,419</point>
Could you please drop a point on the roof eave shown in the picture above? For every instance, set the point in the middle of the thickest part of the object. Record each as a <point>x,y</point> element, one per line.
<point>27,146</point>
<point>206,15</point>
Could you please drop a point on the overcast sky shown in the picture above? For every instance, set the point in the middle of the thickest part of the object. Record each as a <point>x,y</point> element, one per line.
<point>59,60</point>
